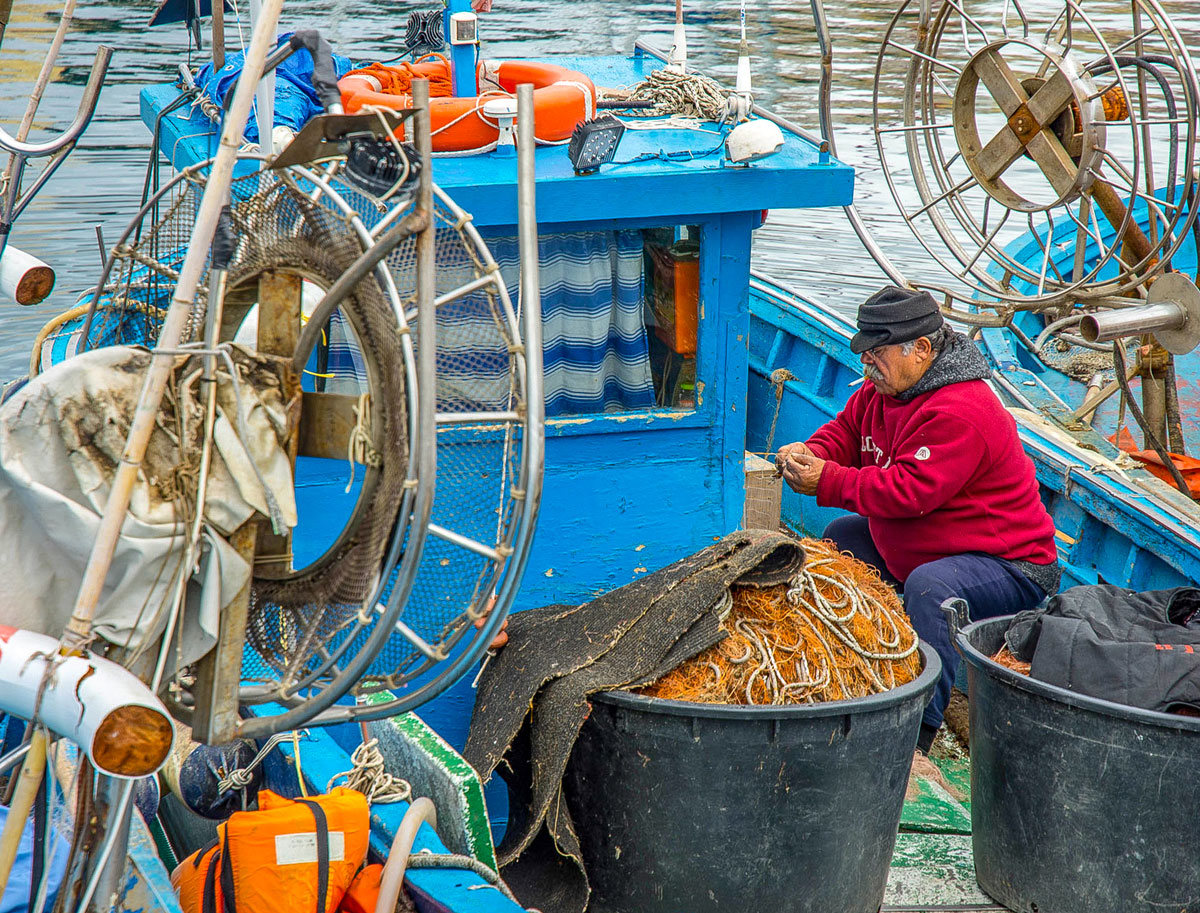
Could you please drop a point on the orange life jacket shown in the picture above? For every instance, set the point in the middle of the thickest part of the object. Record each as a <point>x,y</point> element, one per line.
<point>364,890</point>
<point>289,856</point>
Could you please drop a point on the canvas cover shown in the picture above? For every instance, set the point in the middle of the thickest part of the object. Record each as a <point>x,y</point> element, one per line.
<point>61,438</point>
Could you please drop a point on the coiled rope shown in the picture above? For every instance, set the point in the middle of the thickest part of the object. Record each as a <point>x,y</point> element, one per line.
<point>687,94</point>
<point>835,632</point>
<point>369,776</point>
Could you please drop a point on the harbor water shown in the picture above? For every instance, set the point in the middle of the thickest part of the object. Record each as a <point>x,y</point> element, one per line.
<point>99,187</point>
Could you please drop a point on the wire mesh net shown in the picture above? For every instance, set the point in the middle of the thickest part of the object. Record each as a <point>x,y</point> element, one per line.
<point>480,388</point>
<point>835,632</point>
<point>305,623</point>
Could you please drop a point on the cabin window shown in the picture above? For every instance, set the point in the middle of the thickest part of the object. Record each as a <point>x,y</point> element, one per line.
<point>620,317</point>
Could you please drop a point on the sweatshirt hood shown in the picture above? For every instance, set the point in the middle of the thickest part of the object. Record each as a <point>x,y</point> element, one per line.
<point>960,361</point>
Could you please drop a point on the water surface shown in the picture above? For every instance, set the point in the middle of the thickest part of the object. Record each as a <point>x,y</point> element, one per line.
<point>101,183</point>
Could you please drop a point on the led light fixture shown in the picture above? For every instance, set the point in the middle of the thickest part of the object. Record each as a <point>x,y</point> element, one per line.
<point>594,143</point>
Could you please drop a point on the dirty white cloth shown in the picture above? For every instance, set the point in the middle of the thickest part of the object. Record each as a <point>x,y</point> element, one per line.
<point>61,437</point>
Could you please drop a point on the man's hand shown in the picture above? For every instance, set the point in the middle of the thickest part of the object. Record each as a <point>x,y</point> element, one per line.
<point>481,6</point>
<point>501,637</point>
<point>788,450</point>
<point>802,472</point>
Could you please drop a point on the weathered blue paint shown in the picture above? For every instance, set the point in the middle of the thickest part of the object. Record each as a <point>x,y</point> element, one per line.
<point>624,493</point>
<point>1115,523</point>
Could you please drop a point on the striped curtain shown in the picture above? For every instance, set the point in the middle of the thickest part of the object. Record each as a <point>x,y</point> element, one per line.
<point>595,348</point>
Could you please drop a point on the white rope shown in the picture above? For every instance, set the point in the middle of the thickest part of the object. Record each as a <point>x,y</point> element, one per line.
<point>369,776</point>
<point>360,448</point>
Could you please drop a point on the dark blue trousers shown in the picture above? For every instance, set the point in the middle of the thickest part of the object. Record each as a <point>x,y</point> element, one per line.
<point>991,587</point>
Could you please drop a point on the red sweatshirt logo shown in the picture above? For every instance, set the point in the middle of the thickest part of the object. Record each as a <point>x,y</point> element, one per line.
<point>881,459</point>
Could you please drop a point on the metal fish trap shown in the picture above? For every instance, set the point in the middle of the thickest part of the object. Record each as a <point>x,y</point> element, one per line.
<point>378,579</point>
<point>835,632</point>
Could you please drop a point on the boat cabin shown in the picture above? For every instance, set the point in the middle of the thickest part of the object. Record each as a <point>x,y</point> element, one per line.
<point>644,275</point>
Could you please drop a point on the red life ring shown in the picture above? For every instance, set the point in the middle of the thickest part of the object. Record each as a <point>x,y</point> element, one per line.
<point>562,99</point>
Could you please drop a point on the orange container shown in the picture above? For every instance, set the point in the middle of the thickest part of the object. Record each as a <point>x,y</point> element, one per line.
<point>676,294</point>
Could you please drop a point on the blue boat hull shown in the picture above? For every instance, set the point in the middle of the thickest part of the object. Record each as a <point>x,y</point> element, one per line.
<point>1115,522</point>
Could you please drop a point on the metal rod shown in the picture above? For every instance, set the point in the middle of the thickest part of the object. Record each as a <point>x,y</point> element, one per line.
<point>83,116</point>
<point>1146,318</point>
<point>43,79</point>
<point>464,542</point>
<point>825,113</point>
<point>1114,210</point>
<point>424,444</point>
<point>79,627</point>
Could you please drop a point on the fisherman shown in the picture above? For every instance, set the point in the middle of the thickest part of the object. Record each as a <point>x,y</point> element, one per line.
<point>944,501</point>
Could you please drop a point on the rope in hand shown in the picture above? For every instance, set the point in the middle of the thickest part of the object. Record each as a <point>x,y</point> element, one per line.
<point>369,776</point>
<point>779,377</point>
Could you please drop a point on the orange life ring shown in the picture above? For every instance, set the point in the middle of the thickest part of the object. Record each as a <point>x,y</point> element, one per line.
<point>562,99</point>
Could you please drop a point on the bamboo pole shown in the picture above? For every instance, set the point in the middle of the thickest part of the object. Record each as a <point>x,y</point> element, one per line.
<point>32,772</point>
<point>262,41</point>
<point>43,79</point>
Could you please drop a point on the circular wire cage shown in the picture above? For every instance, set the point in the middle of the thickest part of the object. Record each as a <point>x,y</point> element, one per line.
<point>387,599</point>
<point>1028,144</point>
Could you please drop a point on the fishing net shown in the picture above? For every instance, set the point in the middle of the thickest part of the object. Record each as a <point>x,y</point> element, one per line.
<point>835,631</point>
<point>282,229</point>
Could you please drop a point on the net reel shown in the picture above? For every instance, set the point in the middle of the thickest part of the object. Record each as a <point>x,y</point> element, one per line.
<point>369,582</point>
<point>1032,119</point>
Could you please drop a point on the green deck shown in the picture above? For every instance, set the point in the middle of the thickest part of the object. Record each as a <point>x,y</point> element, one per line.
<point>932,869</point>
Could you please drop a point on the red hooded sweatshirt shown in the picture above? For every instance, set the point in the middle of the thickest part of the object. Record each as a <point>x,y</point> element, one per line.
<point>940,474</point>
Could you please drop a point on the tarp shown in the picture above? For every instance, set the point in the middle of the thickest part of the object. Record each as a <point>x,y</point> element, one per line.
<point>295,98</point>
<point>61,437</point>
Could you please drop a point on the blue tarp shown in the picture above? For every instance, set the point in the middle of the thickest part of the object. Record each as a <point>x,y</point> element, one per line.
<point>295,98</point>
<point>16,893</point>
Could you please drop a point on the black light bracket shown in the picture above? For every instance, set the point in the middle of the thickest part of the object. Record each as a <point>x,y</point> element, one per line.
<point>594,143</point>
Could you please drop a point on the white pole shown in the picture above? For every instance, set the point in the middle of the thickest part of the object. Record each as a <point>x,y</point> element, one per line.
<point>264,97</point>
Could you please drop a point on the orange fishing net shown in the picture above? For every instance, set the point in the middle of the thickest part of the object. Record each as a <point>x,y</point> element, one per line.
<point>1008,660</point>
<point>836,631</point>
<point>397,79</point>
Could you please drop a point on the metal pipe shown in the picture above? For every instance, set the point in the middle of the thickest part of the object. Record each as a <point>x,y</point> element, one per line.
<point>83,116</point>
<point>1109,325</point>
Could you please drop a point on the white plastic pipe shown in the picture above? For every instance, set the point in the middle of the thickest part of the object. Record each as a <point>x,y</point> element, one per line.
<point>23,277</point>
<point>397,862</point>
<point>101,706</point>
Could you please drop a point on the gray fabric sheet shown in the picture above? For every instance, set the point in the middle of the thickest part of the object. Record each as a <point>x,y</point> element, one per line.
<point>61,437</point>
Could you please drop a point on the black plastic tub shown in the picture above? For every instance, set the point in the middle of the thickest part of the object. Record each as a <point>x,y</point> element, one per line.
<point>685,808</point>
<point>1078,805</point>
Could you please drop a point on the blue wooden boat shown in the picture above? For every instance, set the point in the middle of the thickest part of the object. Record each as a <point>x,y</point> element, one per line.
<point>654,469</point>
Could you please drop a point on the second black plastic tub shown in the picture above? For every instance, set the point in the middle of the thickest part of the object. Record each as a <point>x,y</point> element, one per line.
<point>686,808</point>
<point>1078,805</point>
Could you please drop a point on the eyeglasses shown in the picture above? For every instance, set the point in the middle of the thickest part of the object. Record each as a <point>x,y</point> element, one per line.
<point>877,351</point>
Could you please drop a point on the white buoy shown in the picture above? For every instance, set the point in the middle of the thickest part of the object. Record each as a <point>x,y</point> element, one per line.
<point>23,277</point>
